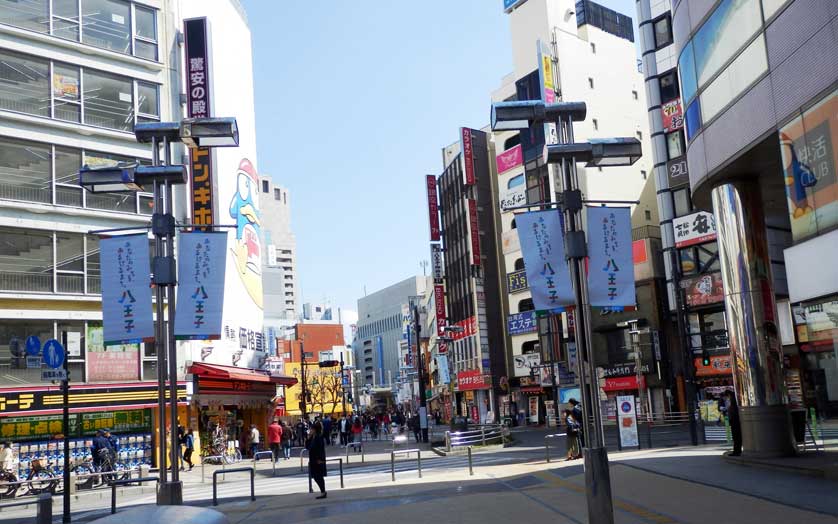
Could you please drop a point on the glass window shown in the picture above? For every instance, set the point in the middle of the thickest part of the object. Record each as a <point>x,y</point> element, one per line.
<point>65,92</point>
<point>26,14</point>
<point>69,263</point>
<point>512,141</point>
<point>145,43</point>
<point>732,24</point>
<point>67,164</point>
<point>692,119</point>
<point>515,181</point>
<point>525,305</point>
<point>669,86</point>
<point>13,334</point>
<point>108,101</point>
<point>663,32</point>
<point>148,106</point>
<point>708,258</point>
<point>675,144</point>
<point>25,260</point>
<point>681,199</point>
<point>519,264</point>
<point>24,84</point>
<point>738,76</point>
<point>25,171</point>
<point>94,281</point>
<point>688,262</point>
<point>65,19</point>
<point>686,68</point>
<point>770,7</point>
<point>125,202</point>
<point>107,24</point>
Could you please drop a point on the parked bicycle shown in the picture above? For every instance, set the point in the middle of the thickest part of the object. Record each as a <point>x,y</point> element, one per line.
<point>8,484</point>
<point>41,478</point>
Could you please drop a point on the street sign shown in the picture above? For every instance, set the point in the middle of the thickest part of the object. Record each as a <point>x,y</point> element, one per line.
<point>49,375</point>
<point>33,345</point>
<point>53,353</point>
<point>14,347</point>
<point>33,362</point>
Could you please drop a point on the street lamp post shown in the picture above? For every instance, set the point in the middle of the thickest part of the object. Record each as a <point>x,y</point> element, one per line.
<point>600,153</point>
<point>420,368</point>
<point>215,132</point>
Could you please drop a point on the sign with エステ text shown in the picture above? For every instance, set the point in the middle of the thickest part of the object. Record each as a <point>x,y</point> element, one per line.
<point>433,207</point>
<point>200,297</point>
<point>693,229</point>
<point>542,244</point>
<point>611,268</point>
<point>126,289</point>
<point>520,323</point>
<point>198,105</point>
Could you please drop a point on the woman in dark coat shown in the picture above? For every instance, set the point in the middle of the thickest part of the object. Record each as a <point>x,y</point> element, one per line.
<point>317,458</point>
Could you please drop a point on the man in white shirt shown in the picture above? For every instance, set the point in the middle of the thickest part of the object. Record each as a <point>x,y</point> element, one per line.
<point>7,457</point>
<point>254,440</point>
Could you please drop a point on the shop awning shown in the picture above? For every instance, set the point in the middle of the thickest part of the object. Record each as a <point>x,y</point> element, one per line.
<point>216,371</point>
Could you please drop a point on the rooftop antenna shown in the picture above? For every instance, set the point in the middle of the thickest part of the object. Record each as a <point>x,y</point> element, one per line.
<point>424,264</point>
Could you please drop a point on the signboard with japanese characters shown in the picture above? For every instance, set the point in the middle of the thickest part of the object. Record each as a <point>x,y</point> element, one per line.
<point>697,228</point>
<point>512,197</point>
<point>200,294</point>
<point>433,207</point>
<point>437,263</point>
<point>673,115</point>
<point>517,281</point>
<point>542,244</point>
<point>624,370</point>
<point>198,106</point>
<point>719,365</point>
<point>677,171</point>
<point>521,323</point>
<point>112,363</point>
<point>627,421</point>
<point>703,289</point>
<point>126,289</point>
<point>611,268</point>
<point>468,156</point>
<point>474,231</point>
<point>441,318</point>
<point>470,379</point>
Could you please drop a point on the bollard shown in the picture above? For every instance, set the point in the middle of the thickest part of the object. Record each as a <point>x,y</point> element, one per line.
<point>73,487</point>
<point>448,441</point>
<point>546,448</point>
<point>340,465</point>
<point>44,512</point>
<point>470,468</point>
<point>393,466</point>
<point>419,461</point>
<point>816,432</point>
<point>649,434</point>
<point>483,435</point>
<point>310,489</point>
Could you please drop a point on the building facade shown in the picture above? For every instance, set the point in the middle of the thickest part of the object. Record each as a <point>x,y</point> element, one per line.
<point>279,266</point>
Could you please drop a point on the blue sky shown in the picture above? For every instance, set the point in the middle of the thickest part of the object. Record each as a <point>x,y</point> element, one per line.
<point>354,102</point>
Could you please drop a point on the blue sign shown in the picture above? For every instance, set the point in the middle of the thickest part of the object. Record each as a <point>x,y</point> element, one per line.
<point>542,244</point>
<point>126,289</point>
<point>53,353</point>
<point>508,5</point>
<point>202,260</point>
<point>33,345</point>
<point>565,394</point>
<point>611,273</point>
<point>521,323</point>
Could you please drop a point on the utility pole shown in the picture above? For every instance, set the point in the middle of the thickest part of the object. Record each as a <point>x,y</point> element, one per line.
<point>420,368</point>
<point>303,380</point>
<point>342,392</point>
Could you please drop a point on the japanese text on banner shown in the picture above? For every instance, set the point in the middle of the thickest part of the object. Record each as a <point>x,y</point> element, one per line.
<point>126,289</point>
<point>542,244</point>
<point>201,268</point>
<point>611,274</point>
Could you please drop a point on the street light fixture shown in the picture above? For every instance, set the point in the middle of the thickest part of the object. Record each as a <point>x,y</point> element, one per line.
<point>603,152</point>
<point>120,178</point>
<point>514,116</point>
<point>209,132</point>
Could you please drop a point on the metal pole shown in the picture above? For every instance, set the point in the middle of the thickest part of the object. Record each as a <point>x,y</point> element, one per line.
<point>419,461</point>
<point>420,366</point>
<point>303,385</point>
<point>159,335</point>
<point>342,392</point>
<point>65,392</point>
<point>597,474</point>
<point>689,364</point>
<point>340,465</point>
<point>393,466</point>
<point>470,468</point>
<point>44,508</point>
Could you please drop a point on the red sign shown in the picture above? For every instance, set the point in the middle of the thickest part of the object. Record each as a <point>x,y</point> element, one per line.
<point>469,326</point>
<point>475,416</point>
<point>113,366</point>
<point>704,289</point>
<point>623,383</point>
<point>509,159</point>
<point>468,156</point>
<point>638,251</point>
<point>240,387</point>
<point>673,116</point>
<point>470,380</point>
<point>719,365</point>
<point>433,207</point>
<point>475,232</point>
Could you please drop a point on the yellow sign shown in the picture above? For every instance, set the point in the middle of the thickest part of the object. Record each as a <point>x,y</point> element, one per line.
<point>547,65</point>
<point>323,387</point>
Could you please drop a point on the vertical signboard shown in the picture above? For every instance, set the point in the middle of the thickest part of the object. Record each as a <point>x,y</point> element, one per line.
<point>547,87</point>
<point>126,289</point>
<point>627,421</point>
<point>444,373</point>
<point>379,349</point>
<point>542,245</point>
<point>441,317</point>
<point>201,267</point>
<point>433,207</point>
<point>468,156</point>
<point>611,269</point>
<point>198,106</point>
<point>474,231</point>
<point>436,263</point>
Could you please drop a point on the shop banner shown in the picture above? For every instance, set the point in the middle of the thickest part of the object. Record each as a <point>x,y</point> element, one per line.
<point>44,427</point>
<point>126,421</point>
<point>565,394</point>
<point>510,242</point>
<point>468,156</point>
<point>198,105</point>
<point>509,159</point>
<point>719,365</point>
<point>627,421</point>
<point>442,367</point>
<point>522,364</point>
<point>520,323</point>
<point>441,318</point>
<point>704,289</point>
<point>126,289</point>
<point>433,207</point>
<point>673,115</point>
<point>678,172</point>
<point>693,229</point>
<point>470,380</point>
<point>517,281</point>
<point>202,262</point>
<point>611,268</point>
<point>513,197</point>
<point>437,263</point>
<point>623,383</point>
<point>111,363</point>
<point>542,244</point>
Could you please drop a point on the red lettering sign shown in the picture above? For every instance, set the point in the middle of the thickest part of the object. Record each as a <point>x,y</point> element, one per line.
<point>433,207</point>
<point>468,156</point>
<point>470,379</point>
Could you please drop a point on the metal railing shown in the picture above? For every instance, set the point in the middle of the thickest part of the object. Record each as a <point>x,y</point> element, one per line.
<point>547,443</point>
<point>404,452</point>
<point>486,434</point>
<point>233,470</point>
<point>263,453</point>
<point>340,466</point>
<point>115,483</point>
<point>43,512</point>
<point>360,446</point>
<point>304,450</point>
<point>204,461</point>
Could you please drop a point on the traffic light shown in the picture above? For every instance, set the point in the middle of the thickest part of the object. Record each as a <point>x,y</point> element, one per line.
<point>329,363</point>
<point>705,358</point>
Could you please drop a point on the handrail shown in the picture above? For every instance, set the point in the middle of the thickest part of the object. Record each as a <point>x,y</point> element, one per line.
<point>304,450</point>
<point>115,483</point>
<point>356,445</point>
<point>204,461</point>
<point>404,452</point>
<point>233,470</point>
<point>43,513</point>
<point>267,452</point>
<point>340,465</point>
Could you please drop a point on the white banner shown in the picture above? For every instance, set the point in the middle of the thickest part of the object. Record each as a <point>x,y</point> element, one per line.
<point>522,364</point>
<point>611,273</point>
<point>513,197</point>
<point>200,297</point>
<point>444,373</point>
<point>126,289</point>
<point>696,228</point>
<point>627,421</point>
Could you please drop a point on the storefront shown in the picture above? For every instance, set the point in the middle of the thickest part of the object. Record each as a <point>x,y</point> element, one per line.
<point>32,419</point>
<point>473,395</point>
<point>816,327</point>
<point>229,399</point>
<point>615,386</point>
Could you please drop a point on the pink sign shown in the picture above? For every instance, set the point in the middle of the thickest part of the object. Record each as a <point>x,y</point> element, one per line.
<point>112,366</point>
<point>509,159</point>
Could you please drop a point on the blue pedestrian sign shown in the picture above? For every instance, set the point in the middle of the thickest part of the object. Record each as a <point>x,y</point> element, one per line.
<point>53,353</point>
<point>33,345</point>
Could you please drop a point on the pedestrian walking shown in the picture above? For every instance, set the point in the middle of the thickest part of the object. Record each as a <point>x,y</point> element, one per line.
<point>344,430</point>
<point>735,423</point>
<point>357,429</point>
<point>287,437</point>
<point>101,450</point>
<point>317,459</point>
<point>275,438</point>
<point>415,426</point>
<point>254,440</point>
<point>576,410</point>
<point>572,435</point>
<point>188,447</point>
<point>7,457</point>
<point>327,430</point>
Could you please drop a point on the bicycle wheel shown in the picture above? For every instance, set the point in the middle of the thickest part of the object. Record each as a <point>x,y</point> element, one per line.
<point>8,490</point>
<point>237,456</point>
<point>41,482</point>
<point>84,482</point>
